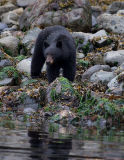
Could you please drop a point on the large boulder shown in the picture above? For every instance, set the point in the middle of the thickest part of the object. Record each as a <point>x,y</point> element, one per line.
<point>74,14</point>
<point>113,23</point>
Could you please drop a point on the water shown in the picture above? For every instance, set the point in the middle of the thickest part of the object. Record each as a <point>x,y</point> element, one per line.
<point>21,141</point>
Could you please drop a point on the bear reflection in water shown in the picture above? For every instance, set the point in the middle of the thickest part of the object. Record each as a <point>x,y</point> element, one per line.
<point>45,148</point>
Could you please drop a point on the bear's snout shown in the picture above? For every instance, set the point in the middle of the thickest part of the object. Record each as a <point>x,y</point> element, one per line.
<point>49,59</point>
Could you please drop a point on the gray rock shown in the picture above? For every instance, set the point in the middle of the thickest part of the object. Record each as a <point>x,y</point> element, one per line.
<point>115,87</point>
<point>5,62</point>
<point>11,43</point>
<point>6,81</point>
<point>11,17</point>
<point>25,66</point>
<point>102,76</point>
<point>113,68</point>
<point>29,111</point>
<point>29,39</point>
<point>88,36</point>
<point>25,3</point>
<point>120,69</point>
<point>120,12</point>
<point>113,23</point>
<point>113,83</point>
<point>96,11</point>
<point>87,74</point>
<point>115,6</point>
<point>13,28</point>
<point>42,14</point>
<point>3,26</point>
<point>80,55</point>
<point>63,116</point>
<point>7,7</point>
<point>114,57</point>
<point>94,22</point>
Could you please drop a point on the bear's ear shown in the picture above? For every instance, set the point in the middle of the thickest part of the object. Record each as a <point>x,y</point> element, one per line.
<point>59,44</point>
<point>45,44</point>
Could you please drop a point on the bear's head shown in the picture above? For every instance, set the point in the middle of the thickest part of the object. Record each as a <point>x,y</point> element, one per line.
<point>56,48</point>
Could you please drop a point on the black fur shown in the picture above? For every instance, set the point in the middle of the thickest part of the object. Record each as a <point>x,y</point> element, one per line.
<point>57,42</point>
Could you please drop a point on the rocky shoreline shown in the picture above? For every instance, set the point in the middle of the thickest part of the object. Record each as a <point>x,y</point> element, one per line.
<point>97,94</point>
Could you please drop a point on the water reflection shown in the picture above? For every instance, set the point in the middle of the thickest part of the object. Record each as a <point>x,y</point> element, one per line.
<point>48,148</point>
<point>40,144</point>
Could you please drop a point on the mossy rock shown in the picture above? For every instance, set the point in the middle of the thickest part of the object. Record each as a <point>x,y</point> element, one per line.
<point>8,72</point>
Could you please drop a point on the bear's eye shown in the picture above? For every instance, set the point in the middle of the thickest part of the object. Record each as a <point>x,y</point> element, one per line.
<point>59,44</point>
<point>46,44</point>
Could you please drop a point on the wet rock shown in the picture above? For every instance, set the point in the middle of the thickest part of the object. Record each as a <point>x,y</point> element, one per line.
<point>29,39</point>
<point>4,63</point>
<point>113,23</point>
<point>29,105</point>
<point>11,18</point>
<point>114,58</point>
<point>6,81</point>
<point>11,44</point>
<point>25,3</point>
<point>64,116</point>
<point>3,26</point>
<point>25,66</point>
<point>41,14</point>
<point>102,76</point>
<point>96,11</point>
<point>87,74</point>
<point>115,6</point>
<point>7,7</point>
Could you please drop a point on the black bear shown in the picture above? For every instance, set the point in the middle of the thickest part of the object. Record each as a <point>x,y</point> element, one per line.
<point>56,46</point>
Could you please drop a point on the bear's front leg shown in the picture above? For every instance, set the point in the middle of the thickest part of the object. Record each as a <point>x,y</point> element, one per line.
<point>69,70</point>
<point>52,72</point>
